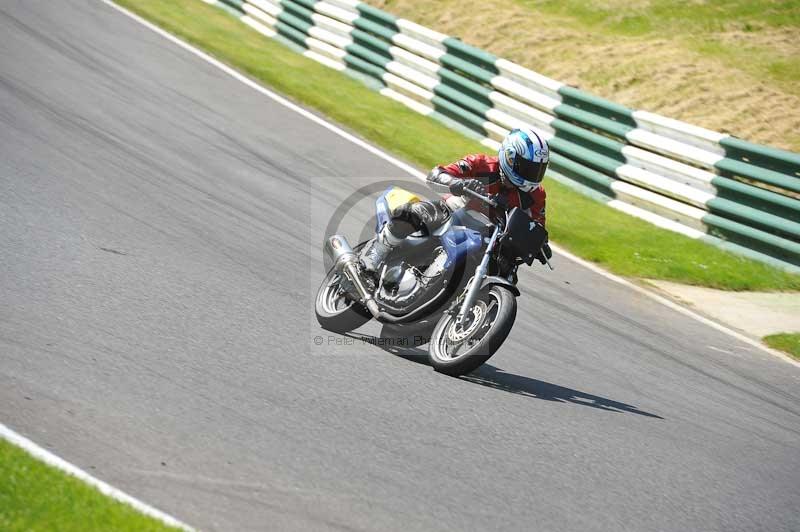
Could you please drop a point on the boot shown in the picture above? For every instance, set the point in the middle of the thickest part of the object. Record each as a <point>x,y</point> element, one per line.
<point>375,254</point>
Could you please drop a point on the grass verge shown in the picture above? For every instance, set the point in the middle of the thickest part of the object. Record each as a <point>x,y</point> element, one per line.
<point>36,496</point>
<point>787,342</point>
<point>620,243</point>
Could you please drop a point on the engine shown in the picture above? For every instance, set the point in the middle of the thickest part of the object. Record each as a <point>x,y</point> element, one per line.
<point>403,283</point>
<point>400,285</point>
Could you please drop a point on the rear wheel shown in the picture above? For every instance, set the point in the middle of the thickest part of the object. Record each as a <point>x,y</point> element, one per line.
<point>335,310</point>
<point>459,348</point>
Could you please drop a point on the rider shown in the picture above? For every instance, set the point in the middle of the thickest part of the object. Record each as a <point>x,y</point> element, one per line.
<point>514,176</point>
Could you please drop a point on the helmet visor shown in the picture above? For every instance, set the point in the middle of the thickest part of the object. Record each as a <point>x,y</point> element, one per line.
<point>529,170</point>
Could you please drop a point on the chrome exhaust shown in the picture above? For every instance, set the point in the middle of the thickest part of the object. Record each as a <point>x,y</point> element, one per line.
<point>346,263</point>
<point>339,251</point>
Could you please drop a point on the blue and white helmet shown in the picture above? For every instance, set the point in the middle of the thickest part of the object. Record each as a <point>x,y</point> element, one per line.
<point>523,158</point>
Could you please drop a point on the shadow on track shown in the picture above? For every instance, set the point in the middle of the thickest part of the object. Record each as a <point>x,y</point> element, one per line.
<point>404,343</point>
<point>488,375</point>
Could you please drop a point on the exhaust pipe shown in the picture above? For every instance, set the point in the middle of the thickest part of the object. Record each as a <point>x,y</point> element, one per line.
<point>346,263</point>
<point>339,251</point>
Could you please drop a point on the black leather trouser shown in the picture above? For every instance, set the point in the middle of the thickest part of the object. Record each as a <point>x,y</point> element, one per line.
<point>425,216</point>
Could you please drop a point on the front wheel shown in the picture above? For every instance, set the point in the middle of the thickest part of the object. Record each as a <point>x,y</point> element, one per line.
<point>456,349</point>
<point>335,311</point>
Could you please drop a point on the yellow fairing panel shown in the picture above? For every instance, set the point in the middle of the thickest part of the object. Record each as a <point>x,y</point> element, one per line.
<point>398,196</point>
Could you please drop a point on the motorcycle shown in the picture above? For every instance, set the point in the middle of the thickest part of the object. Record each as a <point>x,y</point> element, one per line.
<point>462,274</point>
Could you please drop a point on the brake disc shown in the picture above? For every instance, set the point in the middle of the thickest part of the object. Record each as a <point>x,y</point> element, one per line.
<point>457,333</point>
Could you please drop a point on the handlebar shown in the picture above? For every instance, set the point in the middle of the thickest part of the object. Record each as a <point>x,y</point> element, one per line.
<point>486,199</point>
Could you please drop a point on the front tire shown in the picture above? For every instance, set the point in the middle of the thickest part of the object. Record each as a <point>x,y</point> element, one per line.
<point>335,311</point>
<point>457,349</point>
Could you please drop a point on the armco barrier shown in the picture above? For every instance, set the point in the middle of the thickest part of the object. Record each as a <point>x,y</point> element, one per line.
<point>706,185</point>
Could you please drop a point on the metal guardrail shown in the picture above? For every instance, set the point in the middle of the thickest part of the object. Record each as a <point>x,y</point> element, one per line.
<point>706,185</point>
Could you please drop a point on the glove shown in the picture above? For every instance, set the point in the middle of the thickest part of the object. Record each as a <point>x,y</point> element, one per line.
<point>544,253</point>
<point>458,186</point>
<point>501,200</point>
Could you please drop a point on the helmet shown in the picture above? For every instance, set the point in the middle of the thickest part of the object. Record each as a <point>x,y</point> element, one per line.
<point>523,158</point>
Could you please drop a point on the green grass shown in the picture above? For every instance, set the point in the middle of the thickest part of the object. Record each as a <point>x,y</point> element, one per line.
<point>788,342</point>
<point>621,243</point>
<point>35,496</point>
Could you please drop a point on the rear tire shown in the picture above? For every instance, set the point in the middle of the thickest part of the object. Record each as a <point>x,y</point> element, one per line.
<point>457,350</point>
<point>335,311</point>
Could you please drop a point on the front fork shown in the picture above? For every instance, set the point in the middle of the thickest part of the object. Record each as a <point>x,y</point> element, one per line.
<point>475,282</point>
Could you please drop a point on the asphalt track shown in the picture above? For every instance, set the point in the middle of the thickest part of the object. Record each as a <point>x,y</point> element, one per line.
<point>159,247</point>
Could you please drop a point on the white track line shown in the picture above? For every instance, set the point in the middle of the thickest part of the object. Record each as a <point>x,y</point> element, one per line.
<point>416,173</point>
<point>59,463</point>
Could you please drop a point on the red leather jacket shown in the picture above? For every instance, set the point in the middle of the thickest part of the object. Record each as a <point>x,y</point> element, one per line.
<point>486,169</point>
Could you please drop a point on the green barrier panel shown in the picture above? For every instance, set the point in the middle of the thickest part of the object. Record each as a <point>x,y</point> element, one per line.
<point>292,28</point>
<point>465,102</point>
<point>586,118</point>
<point>308,4</point>
<point>460,65</point>
<point>597,106</point>
<point>582,174</point>
<point>730,167</point>
<point>459,114</point>
<point>471,89</point>
<point>731,209</point>
<point>775,246</point>
<point>759,198</point>
<point>302,10</point>
<point>754,218</point>
<point>470,53</point>
<point>563,162</point>
<point>297,23</point>
<point>365,67</point>
<point>295,36</point>
<point>371,40</point>
<point>782,161</point>
<point>236,4</point>
<point>371,43</point>
<point>373,27</point>
<point>367,54</point>
<point>575,134</point>
<point>378,16</point>
<point>585,156</point>
<point>470,97</point>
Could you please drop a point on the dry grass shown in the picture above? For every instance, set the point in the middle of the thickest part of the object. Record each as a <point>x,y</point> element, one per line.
<point>737,77</point>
